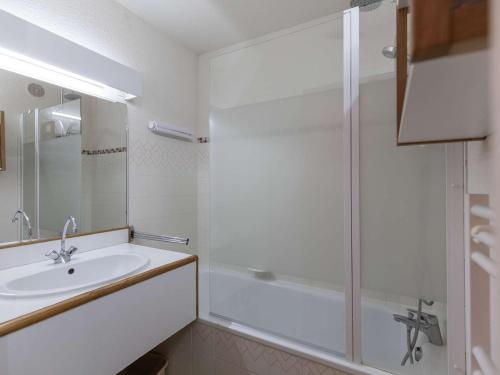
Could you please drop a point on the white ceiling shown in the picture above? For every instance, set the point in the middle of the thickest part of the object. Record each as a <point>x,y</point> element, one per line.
<point>207,25</point>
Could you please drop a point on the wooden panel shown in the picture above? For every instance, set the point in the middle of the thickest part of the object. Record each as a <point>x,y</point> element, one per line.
<point>3,161</point>
<point>401,60</point>
<point>431,28</point>
<point>443,27</point>
<point>469,20</point>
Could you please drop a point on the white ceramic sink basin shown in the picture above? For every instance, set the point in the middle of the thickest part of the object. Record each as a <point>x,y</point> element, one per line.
<point>49,279</point>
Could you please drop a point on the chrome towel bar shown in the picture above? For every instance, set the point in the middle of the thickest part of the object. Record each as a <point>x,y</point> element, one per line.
<point>157,237</point>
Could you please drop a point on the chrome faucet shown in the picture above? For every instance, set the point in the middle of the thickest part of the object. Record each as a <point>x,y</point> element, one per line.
<point>64,255</point>
<point>418,320</point>
<point>27,220</point>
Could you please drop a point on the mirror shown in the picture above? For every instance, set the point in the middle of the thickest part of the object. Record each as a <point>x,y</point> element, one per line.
<point>65,154</point>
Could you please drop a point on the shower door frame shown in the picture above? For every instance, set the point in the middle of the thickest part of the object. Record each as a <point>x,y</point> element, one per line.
<point>23,118</point>
<point>455,230</point>
<point>455,176</point>
<point>351,181</point>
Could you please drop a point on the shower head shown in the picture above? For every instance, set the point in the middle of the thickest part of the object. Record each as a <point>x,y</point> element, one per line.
<point>366,5</point>
<point>389,52</point>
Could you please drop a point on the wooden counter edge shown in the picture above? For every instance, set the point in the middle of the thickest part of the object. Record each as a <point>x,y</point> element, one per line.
<point>70,303</point>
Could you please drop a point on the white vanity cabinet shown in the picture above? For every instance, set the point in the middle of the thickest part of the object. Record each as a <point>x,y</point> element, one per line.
<point>103,336</point>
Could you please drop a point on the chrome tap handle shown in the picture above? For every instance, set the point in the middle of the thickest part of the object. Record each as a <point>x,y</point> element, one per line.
<point>67,254</point>
<point>54,255</point>
<point>71,250</point>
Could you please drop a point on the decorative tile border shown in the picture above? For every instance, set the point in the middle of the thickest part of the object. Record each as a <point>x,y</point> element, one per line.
<point>105,151</point>
<point>202,139</point>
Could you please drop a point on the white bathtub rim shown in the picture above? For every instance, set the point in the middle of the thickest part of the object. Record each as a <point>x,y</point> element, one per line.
<point>387,305</point>
<point>289,346</point>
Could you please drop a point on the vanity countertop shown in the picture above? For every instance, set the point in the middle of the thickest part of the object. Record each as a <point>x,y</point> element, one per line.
<point>20,312</point>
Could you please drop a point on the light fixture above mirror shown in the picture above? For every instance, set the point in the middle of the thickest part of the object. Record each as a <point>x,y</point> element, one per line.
<point>34,52</point>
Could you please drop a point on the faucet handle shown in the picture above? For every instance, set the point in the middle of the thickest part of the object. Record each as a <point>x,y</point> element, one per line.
<point>425,318</point>
<point>422,313</point>
<point>71,250</point>
<point>54,255</point>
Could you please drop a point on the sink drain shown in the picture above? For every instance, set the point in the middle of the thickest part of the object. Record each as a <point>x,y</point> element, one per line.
<point>71,271</point>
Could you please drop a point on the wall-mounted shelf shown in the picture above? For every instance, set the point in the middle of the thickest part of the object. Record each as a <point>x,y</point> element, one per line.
<point>166,130</point>
<point>442,92</point>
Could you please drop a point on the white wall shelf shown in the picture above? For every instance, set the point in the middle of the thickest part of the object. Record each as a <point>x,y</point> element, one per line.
<point>446,100</point>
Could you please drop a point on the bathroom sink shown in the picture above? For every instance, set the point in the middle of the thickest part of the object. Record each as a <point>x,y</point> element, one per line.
<point>81,273</point>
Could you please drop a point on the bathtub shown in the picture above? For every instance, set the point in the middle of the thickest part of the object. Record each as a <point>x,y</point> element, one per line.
<point>314,318</point>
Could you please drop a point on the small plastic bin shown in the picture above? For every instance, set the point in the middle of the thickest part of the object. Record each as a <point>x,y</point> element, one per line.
<point>149,364</point>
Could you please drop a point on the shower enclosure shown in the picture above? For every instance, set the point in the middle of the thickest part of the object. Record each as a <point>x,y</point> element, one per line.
<point>321,228</point>
<point>51,168</point>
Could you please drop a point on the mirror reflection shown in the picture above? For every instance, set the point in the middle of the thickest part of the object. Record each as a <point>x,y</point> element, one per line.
<point>65,154</point>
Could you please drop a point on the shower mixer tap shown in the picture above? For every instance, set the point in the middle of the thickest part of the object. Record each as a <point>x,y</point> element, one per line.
<point>418,320</point>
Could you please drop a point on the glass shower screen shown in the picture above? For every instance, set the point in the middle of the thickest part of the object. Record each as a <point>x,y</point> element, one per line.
<point>277,185</point>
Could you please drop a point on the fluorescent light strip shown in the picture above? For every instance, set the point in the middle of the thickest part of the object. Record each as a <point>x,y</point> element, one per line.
<point>65,115</point>
<point>28,67</point>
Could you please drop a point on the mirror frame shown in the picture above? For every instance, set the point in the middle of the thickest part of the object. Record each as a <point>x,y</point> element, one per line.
<point>42,240</point>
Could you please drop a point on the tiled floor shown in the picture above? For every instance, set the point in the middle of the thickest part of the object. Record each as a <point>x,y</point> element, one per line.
<point>204,350</point>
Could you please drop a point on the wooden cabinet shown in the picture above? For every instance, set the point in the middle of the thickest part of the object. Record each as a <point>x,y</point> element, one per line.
<point>442,71</point>
<point>443,27</point>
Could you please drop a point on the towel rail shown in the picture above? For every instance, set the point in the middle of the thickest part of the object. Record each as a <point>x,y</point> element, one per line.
<point>485,364</point>
<point>485,263</point>
<point>158,237</point>
<point>483,212</point>
<point>485,238</point>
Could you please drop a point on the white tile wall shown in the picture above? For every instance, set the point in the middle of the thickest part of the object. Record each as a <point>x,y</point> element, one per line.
<point>163,188</point>
<point>201,349</point>
<point>203,214</point>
